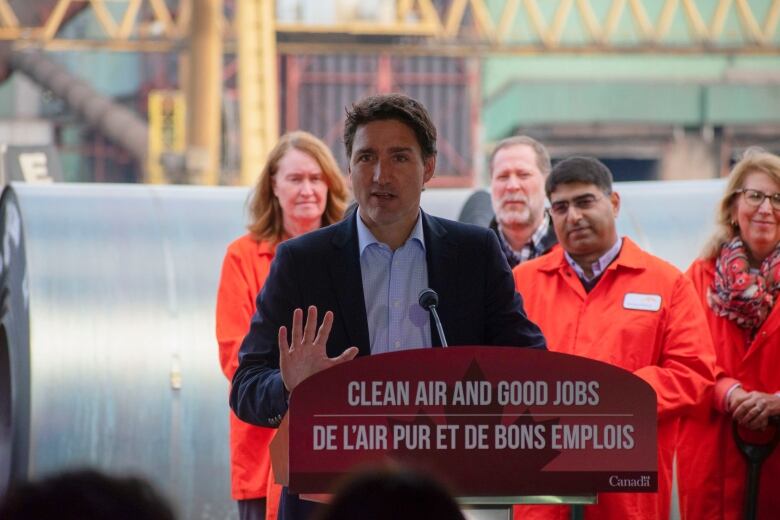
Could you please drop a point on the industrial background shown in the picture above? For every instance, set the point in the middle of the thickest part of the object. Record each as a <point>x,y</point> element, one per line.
<point>196,91</point>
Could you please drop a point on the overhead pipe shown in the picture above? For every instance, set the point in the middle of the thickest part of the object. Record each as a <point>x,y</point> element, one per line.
<point>117,122</point>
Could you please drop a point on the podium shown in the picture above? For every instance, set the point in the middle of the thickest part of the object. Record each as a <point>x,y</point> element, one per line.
<point>497,425</point>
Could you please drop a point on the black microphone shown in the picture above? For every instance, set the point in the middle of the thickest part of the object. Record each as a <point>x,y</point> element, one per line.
<point>429,300</point>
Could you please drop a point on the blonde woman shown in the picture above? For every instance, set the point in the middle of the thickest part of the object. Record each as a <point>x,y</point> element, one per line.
<point>300,189</point>
<point>738,281</point>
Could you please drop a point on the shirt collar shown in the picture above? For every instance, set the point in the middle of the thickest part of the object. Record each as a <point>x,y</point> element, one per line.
<point>366,237</point>
<point>541,231</point>
<point>536,239</point>
<point>599,265</point>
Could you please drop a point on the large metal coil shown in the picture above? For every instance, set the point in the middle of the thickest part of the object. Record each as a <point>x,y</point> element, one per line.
<point>108,320</point>
<point>107,349</point>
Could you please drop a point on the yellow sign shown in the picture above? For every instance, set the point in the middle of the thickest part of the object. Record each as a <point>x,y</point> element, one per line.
<point>167,130</point>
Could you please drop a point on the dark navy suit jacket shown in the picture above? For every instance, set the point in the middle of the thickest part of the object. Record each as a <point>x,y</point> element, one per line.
<point>478,304</point>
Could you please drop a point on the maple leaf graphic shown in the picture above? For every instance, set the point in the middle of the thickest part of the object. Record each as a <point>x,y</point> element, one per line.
<point>499,465</point>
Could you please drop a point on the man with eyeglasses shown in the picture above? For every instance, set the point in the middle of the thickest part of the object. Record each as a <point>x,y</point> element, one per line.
<point>600,296</point>
<point>518,167</point>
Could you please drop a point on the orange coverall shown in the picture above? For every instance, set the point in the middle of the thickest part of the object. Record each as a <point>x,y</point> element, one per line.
<point>711,470</point>
<point>669,348</point>
<point>244,271</point>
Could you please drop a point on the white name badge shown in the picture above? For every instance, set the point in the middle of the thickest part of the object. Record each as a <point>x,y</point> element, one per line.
<point>642,302</point>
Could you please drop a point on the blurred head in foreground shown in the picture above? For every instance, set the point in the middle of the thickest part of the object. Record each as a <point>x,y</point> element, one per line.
<point>392,493</point>
<point>85,495</point>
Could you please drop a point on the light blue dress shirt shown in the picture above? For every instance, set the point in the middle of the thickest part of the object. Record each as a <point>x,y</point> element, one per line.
<point>392,281</point>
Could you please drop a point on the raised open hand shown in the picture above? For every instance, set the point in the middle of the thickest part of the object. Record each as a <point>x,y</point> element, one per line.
<point>305,354</point>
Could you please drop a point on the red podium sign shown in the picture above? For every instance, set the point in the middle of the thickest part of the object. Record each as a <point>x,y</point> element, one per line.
<point>489,421</point>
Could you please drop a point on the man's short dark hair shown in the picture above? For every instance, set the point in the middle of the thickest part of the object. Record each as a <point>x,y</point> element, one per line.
<point>392,106</point>
<point>86,495</point>
<point>391,493</point>
<point>542,155</point>
<point>585,170</point>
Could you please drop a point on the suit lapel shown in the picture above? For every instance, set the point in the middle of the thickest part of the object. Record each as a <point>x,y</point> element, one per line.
<point>442,260</point>
<point>348,285</point>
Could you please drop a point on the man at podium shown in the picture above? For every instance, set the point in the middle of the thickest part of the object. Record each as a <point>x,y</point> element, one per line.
<point>363,275</point>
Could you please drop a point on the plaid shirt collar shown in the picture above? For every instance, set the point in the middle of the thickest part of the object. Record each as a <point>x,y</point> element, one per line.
<point>541,241</point>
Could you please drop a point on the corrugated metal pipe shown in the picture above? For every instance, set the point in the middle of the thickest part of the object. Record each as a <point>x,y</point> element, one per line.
<point>118,123</point>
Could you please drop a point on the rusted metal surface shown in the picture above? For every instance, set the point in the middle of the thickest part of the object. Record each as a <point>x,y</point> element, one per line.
<point>318,89</point>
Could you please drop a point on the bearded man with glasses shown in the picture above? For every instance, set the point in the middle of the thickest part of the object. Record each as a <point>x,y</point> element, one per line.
<point>600,296</point>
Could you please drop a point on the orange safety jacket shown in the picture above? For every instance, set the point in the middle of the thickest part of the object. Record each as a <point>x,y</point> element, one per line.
<point>711,470</point>
<point>244,270</point>
<point>665,344</point>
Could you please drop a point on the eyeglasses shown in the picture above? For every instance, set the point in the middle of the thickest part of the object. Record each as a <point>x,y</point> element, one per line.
<point>583,202</point>
<point>755,198</point>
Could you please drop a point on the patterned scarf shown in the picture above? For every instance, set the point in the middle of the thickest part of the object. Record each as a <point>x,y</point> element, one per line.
<point>745,297</point>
